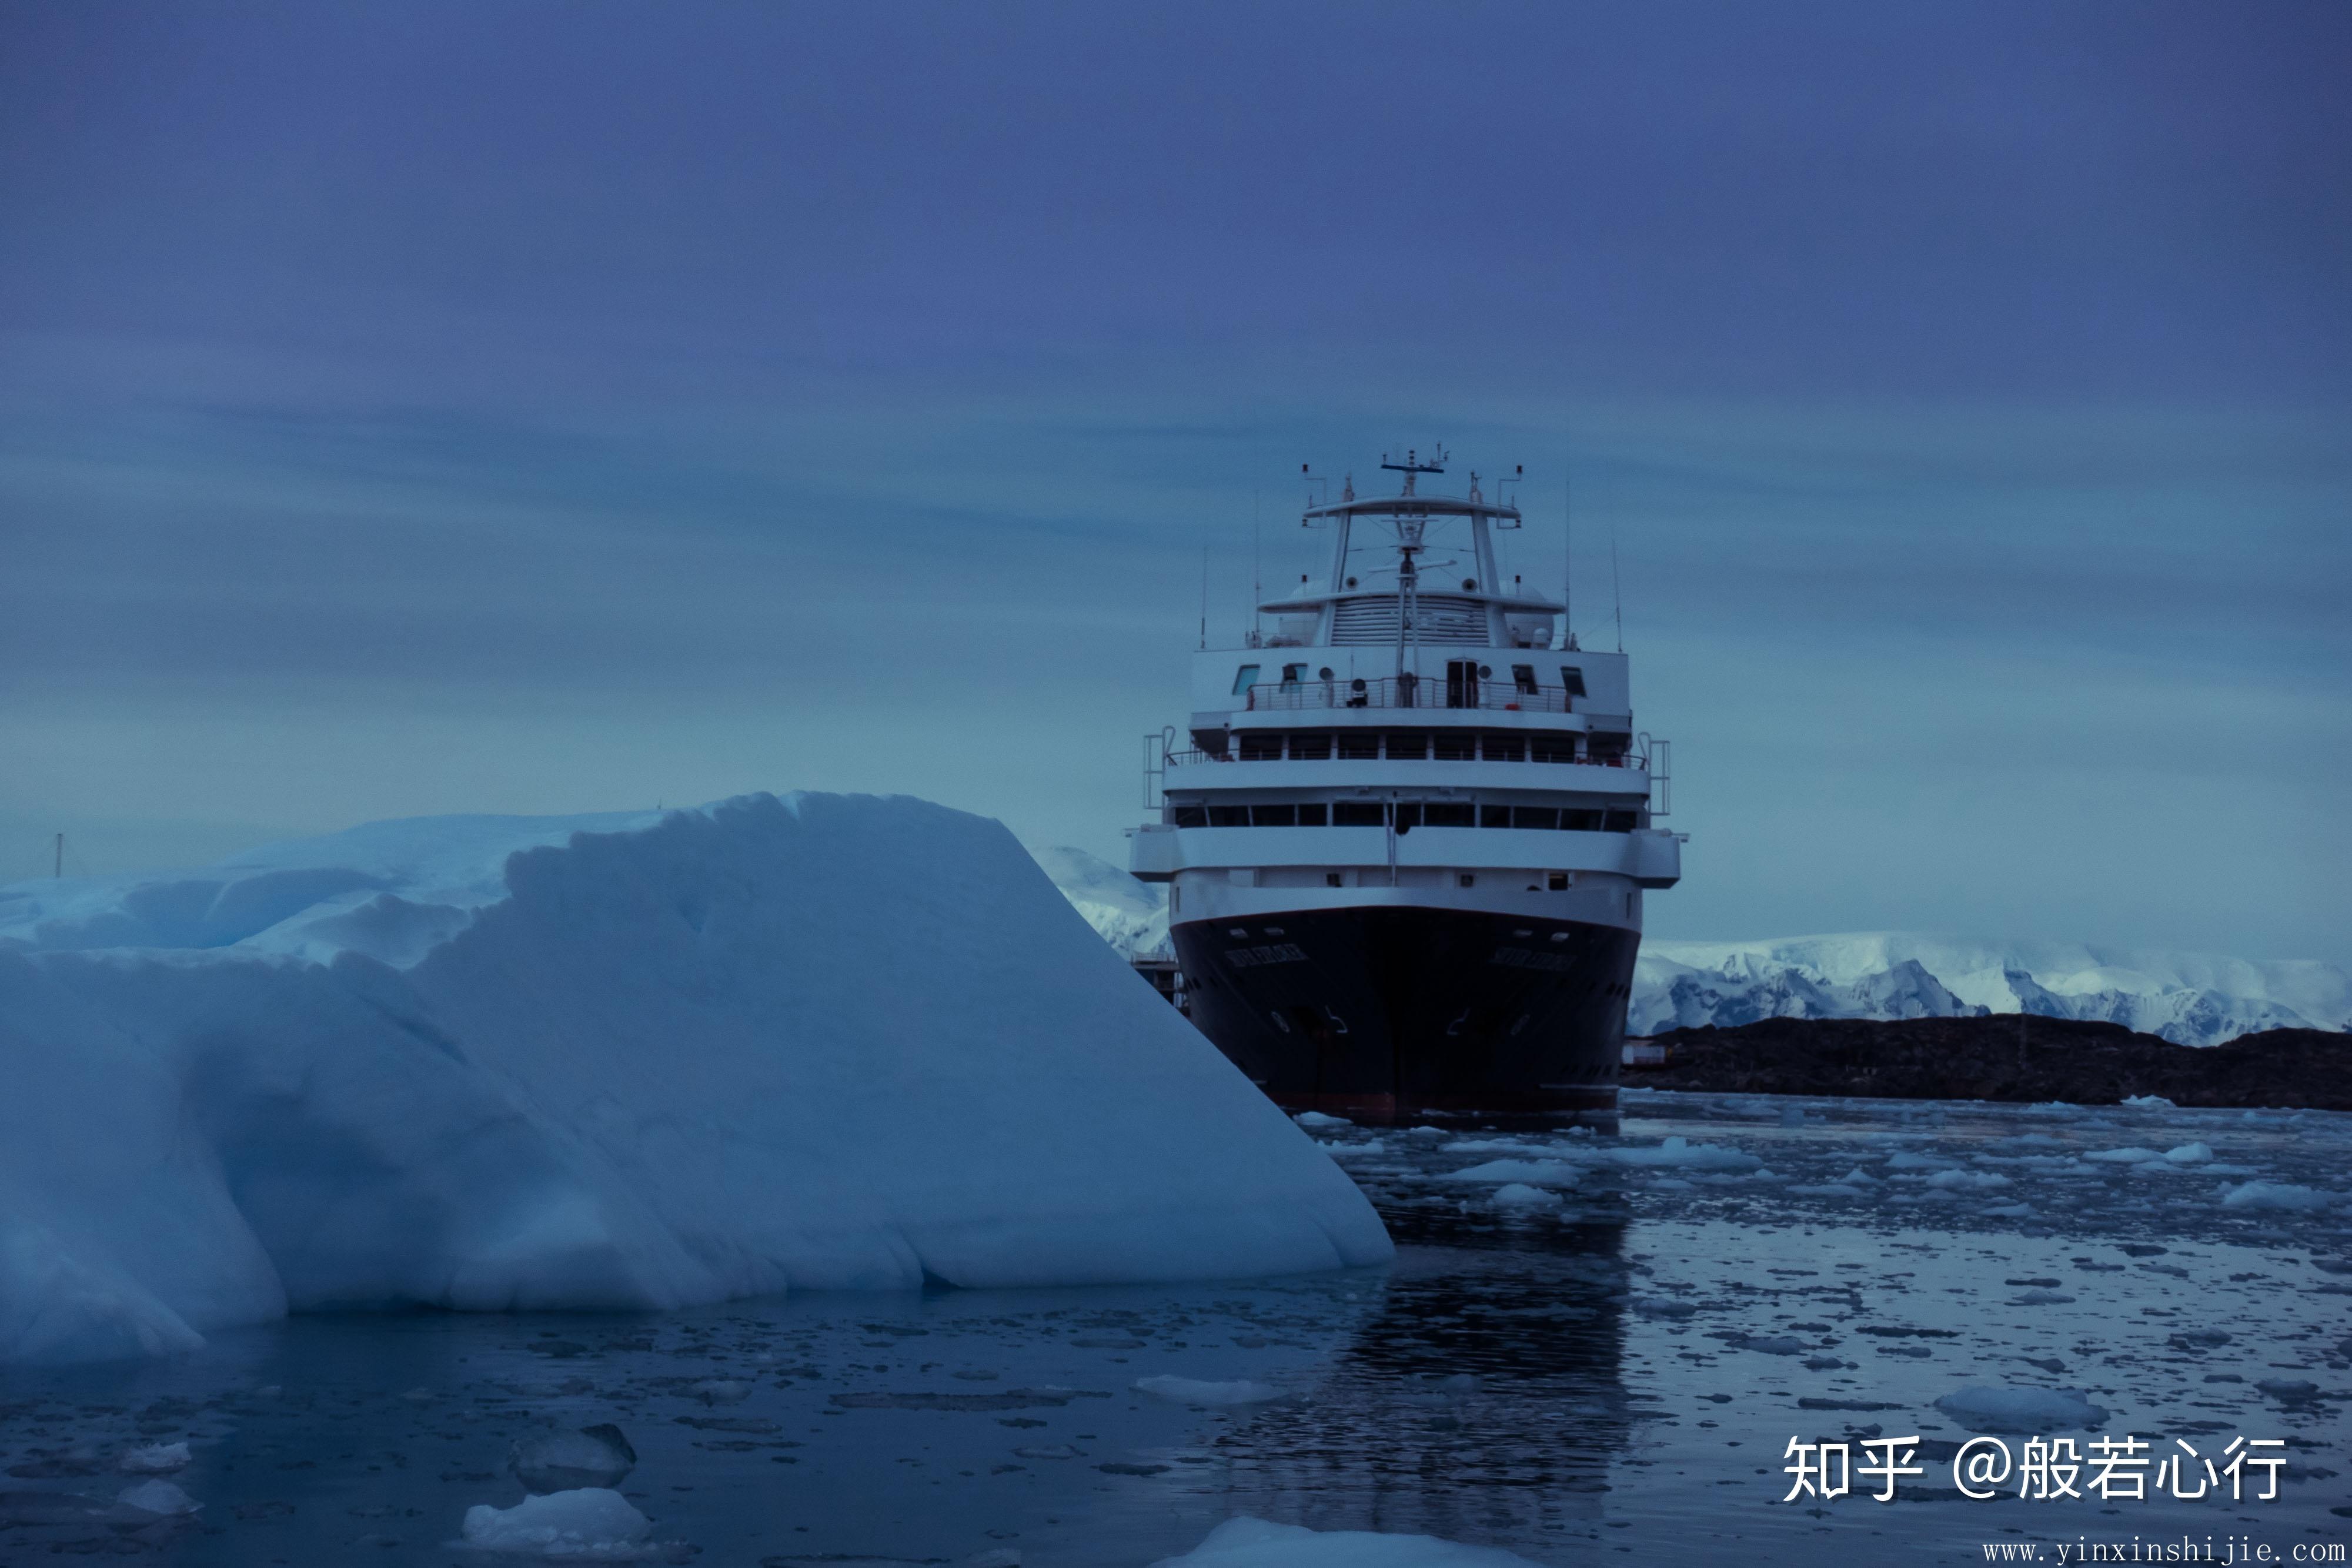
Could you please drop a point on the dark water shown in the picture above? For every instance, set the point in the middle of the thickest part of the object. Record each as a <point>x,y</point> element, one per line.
<point>1606,1357</point>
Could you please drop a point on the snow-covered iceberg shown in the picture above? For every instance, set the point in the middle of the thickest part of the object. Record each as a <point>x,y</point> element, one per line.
<point>2187,998</point>
<point>630,1062</point>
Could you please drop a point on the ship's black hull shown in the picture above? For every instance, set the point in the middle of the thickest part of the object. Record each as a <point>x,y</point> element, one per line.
<point>1385,1014</point>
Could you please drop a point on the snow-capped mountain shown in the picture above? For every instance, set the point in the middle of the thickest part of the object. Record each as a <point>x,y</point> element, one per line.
<point>1131,916</point>
<point>2191,998</point>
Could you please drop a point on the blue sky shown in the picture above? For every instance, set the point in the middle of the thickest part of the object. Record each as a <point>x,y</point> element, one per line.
<point>415,409</point>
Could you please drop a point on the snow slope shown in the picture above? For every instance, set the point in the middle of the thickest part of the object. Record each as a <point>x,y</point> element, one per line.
<point>614,1062</point>
<point>2188,998</point>
<point>1131,916</point>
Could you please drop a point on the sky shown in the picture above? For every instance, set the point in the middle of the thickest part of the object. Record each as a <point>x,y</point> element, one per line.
<point>421,408</point>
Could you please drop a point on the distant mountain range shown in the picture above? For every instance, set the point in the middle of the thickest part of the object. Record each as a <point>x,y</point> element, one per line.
<point>2190,998</point>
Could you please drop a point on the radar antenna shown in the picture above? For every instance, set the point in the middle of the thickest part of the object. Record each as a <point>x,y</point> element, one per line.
<point>1412,465</point>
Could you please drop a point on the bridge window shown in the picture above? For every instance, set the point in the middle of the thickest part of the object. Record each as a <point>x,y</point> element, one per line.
<point>1274,816</point>
<point>1620,821</point>
<point>1309,748</point>
<point>1356,814</point>
<point>1503,747</point>
<point>1314,814</point>
<point>1191,816</point>
<point>1244,678</point>
<point>1456,745</point>
<point>1449,814</point>
<point>1523,678</point>
<point>1494,816</point>
<point>1573,679</point>
<point>1360,745</point>
<point>1580,822</point>
<point>1258,745</point>
<point>1544,817</point>
<point>1408,815</point>
<point>1552,747</point>
<point>1229,817</point>
<point>1408,746</point>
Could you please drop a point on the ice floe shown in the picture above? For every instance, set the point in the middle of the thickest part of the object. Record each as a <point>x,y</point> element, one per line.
<point>1246,1542</point>
<point>587,1523</point>
<point>2027,1410</point>
<point>1196,1390</point>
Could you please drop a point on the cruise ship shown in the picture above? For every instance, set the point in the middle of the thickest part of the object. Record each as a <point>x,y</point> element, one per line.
<point>1407,844</point>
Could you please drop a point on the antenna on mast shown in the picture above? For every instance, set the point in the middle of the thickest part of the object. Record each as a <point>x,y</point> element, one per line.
<point>1205,596</point>
<point>1616,588</point>
<point>1567,562</point>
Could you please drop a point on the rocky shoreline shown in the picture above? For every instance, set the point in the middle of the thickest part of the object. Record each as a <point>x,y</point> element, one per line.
<point>2012,1057</point>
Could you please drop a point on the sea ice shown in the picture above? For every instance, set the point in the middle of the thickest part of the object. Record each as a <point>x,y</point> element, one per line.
<point>590,1522</point>
<point>159,1497</point>
<point>1193,1391</point>
<point>2273,1194</point>
<point>2025,1410</point>
<point>1680,1152</point>
<point>156,1459</point>
<point>1520,1195</point>
<point>1539,1173</point>
<point>483,1063</point>
<point>1246,1542</point>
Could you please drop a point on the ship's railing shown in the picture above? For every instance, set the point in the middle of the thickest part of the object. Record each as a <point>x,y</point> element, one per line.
<point>1446,691</point>
<point>1371,746</point>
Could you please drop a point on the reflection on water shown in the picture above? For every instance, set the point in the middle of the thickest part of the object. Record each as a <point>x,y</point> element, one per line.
<point>1612,1355</point>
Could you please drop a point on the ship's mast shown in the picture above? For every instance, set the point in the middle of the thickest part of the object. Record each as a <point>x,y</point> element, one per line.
<point>1411,526</point>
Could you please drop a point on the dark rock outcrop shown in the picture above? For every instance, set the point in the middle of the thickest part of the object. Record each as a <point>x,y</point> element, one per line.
<point>2009,1057</point>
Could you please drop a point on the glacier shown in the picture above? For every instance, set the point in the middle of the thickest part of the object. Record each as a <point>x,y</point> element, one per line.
<point>2190,998</point>
<point>630,1061</point>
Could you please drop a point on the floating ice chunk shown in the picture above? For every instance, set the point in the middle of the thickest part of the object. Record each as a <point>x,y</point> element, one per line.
<point>2059,1109</point>
<point>720,1391</point>
<point>1671,1184</point>
<point>2025,1410</point>
<point>1537,1173</point>
<point>1520,1195</point>
<point>1973,1181</point>
<point>1246,1542</point>
<point>2273,1194</point>
<point>2040,1299</point>
<point>1317,1119</point>
<point>2190,1154</point>
<point>1425,1132</point>
<point>1771,1344</point>
<point>1193,1391</point>
<point>1910,1160</point>
<point>1664,1307</point>
<point>1829,1189</point>
<point>159,1497</point>
<point>565,1461</point>
<point>590,1522</point>
<point>2150,1103</point>
<point>155,1459</point>
<point>1681,1152</point>
<point>2132,1156</point>
<point>2009,1211</point>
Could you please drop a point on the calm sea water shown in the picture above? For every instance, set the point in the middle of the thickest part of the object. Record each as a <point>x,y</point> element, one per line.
<point>1602,1344</point>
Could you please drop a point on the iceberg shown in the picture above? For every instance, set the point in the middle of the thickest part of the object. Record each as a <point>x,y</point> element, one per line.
<point>627,1062</point>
